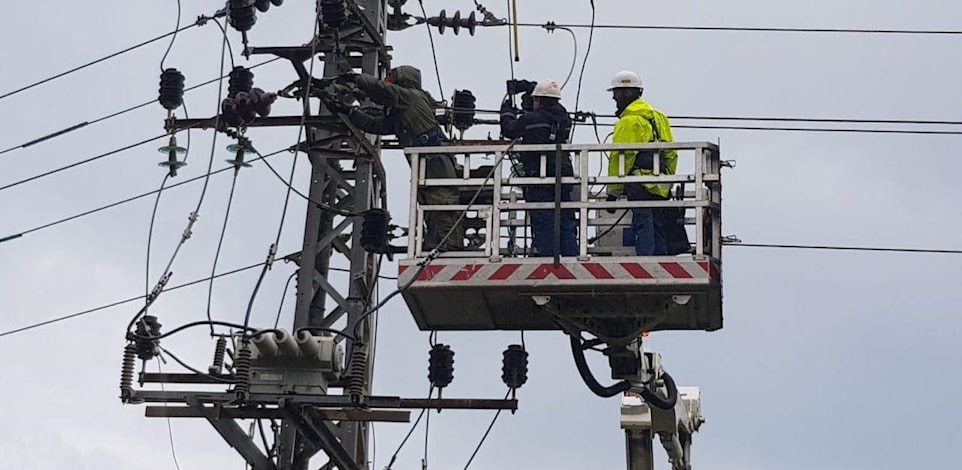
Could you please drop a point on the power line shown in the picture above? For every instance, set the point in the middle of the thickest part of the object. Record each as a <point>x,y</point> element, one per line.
<point>818,129</point>
<point>811,129</point>
<point>320,205</point>
<point>150,233</point>
<point>192,217</point>
<point>287,196</point>
<point>920,122</point>
<point>220,244</point>
<point>410,431</point>
<point>581,75</point>
<point>170,427</point>
<point>822,120</point>
<point>125,301</point>
<point>164,59</point>
<point>758,29</point>
<point>846,248</point>
<point>574,57</point>
<point>434,52</point>
<point>485,436</point>
<point>117,113</point>
<point>280,308</point>
<point>160,192</point>
<point>82,162</point>
<point>127,200</point>
<point>202,20</point>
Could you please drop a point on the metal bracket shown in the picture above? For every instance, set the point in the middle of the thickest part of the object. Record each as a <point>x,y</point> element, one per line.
<point>234,435</point>
<point>310,424</point>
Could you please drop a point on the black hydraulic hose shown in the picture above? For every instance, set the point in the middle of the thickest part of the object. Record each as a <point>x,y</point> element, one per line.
<point>659,402</point>
<point>605,392</point>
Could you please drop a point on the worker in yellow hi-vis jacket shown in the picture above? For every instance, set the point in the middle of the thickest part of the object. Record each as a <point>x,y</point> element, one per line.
<point>638,122</point>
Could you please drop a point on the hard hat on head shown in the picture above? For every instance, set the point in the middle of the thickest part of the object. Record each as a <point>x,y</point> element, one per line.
<point>547,89</point>
<point>625,79</point>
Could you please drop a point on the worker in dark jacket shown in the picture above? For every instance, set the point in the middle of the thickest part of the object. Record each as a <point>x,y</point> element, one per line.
<point>409,114</point>
<point>547,123</point>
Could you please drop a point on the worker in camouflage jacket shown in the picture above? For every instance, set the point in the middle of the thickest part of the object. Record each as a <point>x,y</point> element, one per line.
<point>409,114</point>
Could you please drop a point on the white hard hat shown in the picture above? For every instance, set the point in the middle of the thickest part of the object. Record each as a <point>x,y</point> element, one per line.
<point>625,79</point>
<point>548,89</point>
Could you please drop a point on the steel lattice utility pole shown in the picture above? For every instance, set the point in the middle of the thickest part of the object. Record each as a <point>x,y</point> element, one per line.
<point>353,190</point>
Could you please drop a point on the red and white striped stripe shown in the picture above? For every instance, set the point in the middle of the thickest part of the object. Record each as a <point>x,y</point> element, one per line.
<point>473,272</point>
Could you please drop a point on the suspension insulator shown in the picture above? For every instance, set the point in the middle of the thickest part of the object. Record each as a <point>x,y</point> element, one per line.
<point>374,230</point>
<point>171,89</point>
<point>357,373</point>
<point>148,327</point>
<point>514,368</point>
<point>240,80</point>
<point>441,365</point>
<point>277,3</point>
<point>219,350</point>
<point>464,106</point>
<point>333,12</point>
<point>242,15</point>
<point>127,372</point>
<point>242,371</point>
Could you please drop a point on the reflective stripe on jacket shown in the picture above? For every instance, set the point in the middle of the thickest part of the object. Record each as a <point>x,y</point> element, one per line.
<point>635,125</point>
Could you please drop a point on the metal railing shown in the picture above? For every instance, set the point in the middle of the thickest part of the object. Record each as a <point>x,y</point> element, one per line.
<point>499,208</point>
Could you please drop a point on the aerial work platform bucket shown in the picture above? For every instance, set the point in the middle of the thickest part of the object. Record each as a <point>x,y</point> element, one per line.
<point>498,283</point>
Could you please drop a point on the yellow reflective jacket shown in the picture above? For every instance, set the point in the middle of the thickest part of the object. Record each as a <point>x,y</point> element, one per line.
<point>633,126</point>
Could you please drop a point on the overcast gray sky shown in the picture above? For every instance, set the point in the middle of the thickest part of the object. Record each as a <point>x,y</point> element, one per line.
<point>827,360</point>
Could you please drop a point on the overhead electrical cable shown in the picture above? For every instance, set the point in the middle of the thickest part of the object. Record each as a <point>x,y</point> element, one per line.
<point>584,63</point>
<point>434,52</point>
<point>408,435</point>
<point>121,302</point>
<point>192,218</point>
<point>816,129</point>
<point>117,113</point>
<point>220,244</point>
<point>167,52</point>
<point>127,200</point>
<point>881,31</point>
<point>153,212</point>
<point>83,162</point>
<point>290,184</point>
<point>485,436</point>
<point>574,57</point>
<point>170,426</point>
<point>150,233</point>
<point>920,122</point>
<point>200,22</point>
<point>845,248</point>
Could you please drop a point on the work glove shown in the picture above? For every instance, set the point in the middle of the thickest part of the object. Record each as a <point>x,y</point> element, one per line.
<point>347,77</point>
<point>515,87</point>
<point>507,107</point>
<point>336,106</point>
<point>611,198</point>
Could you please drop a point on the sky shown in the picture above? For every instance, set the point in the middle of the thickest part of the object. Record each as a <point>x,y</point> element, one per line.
<point>831,360</point>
